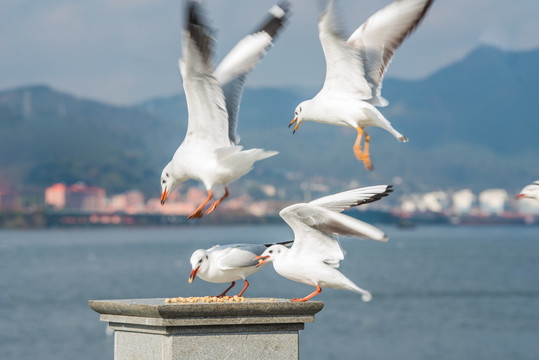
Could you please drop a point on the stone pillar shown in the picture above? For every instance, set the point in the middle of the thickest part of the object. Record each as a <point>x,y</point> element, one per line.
<point>257,328</point>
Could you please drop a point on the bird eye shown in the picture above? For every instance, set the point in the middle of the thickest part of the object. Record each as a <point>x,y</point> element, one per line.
<point>163,181</point>
<point>296,113</point>
<point>206,257</point>
<point>300,109</point>
<point>271,251</point>
<point>166,175</point>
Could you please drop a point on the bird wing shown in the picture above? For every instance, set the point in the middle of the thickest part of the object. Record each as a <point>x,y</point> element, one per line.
<point>303,219</point>
<point>315,228</point>
<point>238,255</point>
<point>233,69</point>
<point>208,118</point>
<point>316,223</point>
<point>344,68</point>
<point>347,199</point>
<point>378,38</point>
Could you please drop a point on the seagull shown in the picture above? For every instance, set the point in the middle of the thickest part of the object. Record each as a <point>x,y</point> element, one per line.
<point>355,68</point>
<point>224,263</point>
<point>530,191</point>
<point>210,152</point>
<point>315,254</point>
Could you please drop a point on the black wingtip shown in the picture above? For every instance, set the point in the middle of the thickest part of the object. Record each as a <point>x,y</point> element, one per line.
<point>376,197</point>
<point>278,15</point>
<point>198,30</point>
<point>389,190</point>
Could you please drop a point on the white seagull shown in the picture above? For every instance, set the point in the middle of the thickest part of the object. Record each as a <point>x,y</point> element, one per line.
<point>227,263</point>
<point>355,69</point>
<point>530,191</point>
<point>315,254</point>
<point>210,152</point>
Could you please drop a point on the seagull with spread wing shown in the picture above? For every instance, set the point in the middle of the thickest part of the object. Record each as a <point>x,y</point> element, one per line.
<point>210,152</point>
<point>316,253</point>
<point>355,68</point>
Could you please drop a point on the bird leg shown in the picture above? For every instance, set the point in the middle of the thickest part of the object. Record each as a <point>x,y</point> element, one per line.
<point>215,204</point>
<point>366,155</point>
<point>198,211</point>
<point>316,292</point>
<point>244,288</point>
<point>224,292</point>
<point>363,155</point>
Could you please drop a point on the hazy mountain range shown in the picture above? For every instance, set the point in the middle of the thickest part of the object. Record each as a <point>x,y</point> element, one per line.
<point>473,124</point>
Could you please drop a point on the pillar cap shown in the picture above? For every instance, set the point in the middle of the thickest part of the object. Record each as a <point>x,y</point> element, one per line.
<point>157,308</point>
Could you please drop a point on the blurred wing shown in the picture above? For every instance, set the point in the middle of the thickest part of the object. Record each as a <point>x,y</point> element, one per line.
<point>232,71</point>
<point>208,118</point>
<point>378,38</point>
<point>344,68</point>
<point>239,256</point>
<point>345,200</point>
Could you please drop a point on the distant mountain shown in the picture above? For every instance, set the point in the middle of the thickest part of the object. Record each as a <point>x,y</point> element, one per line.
<point>488,98</point>
<point>47,136</point>
<point>473,124</point>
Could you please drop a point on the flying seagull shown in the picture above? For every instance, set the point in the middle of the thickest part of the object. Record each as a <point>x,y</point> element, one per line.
<point>355,68</point>
<point>210,152</point>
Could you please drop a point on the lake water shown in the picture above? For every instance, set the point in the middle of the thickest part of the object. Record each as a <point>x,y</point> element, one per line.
<point>438,292</point>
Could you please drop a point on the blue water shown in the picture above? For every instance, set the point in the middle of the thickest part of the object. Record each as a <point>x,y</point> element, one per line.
<point>438,292</point>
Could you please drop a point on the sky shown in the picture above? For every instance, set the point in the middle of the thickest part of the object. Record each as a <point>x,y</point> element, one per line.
<point>126,51</point>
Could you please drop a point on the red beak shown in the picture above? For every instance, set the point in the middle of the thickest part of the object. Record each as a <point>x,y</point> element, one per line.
<point>262,260</point>
<point>164,196</point>
<point>193,274</point>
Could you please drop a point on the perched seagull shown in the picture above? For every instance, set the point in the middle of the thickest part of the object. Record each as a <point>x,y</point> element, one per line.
<point>530,191</point>
<point>315,254</point>
<point>224,263</point>
<point>355,69</point>
<point>210,152</point>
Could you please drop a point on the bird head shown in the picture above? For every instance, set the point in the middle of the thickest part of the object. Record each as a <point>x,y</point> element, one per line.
<point>198,260</point>
<point>270,254</point>
<point>530,191</point>
<point>298,116</point>
<point>169,180</point>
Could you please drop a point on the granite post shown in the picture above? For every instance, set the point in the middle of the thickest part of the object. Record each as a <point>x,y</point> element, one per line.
<point>257,328</point>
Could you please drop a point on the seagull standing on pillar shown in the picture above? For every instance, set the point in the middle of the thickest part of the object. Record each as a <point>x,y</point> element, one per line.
<point>227,263</point>
<point>315,254</point>
<point>210,152</point>
<point>355,69</point>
